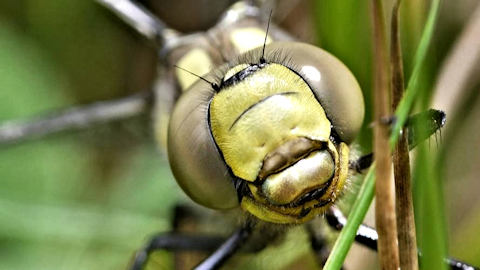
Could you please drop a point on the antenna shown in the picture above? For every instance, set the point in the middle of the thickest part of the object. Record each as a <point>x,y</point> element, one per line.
<point>214,85</point>
<point>262,59</point>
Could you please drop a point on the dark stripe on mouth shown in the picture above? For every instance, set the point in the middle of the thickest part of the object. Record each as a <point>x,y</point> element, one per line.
<point>312,195</point>
<point>260,101</point>
<point>322,203</point>
<point>306,211</point>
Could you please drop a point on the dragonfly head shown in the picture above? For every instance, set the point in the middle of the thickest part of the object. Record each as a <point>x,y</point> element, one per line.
<point>279,127</point>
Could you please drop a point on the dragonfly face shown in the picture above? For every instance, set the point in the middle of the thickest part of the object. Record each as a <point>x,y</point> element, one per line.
<point>272,137</point>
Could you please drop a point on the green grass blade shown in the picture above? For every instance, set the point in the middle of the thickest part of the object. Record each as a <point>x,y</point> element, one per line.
<point>411,92</point>
<point>429,211</point>
<point>365,196</point>
<point>359,210</point>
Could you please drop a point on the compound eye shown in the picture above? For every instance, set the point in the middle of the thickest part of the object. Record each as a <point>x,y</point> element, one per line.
<point>333,84</point>
<point>194,159</point>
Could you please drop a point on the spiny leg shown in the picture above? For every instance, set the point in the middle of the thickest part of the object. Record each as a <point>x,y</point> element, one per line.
<point>226,250</point>
<point>192,220</point>
<point>176,242</point>
<point>368,237</point>
<point>186,222</point>
<point>186,215</point>
<point>179,242</point>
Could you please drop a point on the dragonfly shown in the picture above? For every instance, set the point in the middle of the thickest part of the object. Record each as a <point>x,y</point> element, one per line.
<point>186,51</point>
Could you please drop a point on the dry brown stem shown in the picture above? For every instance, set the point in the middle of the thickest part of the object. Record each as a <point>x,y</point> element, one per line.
<point>407,242</point>
<point>385,204</point>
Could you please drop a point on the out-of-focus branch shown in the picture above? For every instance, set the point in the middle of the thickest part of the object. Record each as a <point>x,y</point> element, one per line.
<point>75,118</point>
<point>140,19</point>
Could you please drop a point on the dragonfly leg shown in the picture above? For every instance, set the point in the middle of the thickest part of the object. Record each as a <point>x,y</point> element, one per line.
<point>368,237</point>
<point>176,242</point>
<point>226,250</point>
<point>187,236</point>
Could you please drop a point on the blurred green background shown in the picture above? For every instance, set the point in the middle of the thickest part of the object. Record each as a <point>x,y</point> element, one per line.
<point>84,200</point>
<point>88,199</point>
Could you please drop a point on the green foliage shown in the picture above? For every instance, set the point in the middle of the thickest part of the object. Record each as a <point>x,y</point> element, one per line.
<point>60,206</point>
<point>429,202</point>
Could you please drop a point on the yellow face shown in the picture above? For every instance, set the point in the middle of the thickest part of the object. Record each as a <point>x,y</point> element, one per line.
<point>274,134</point>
